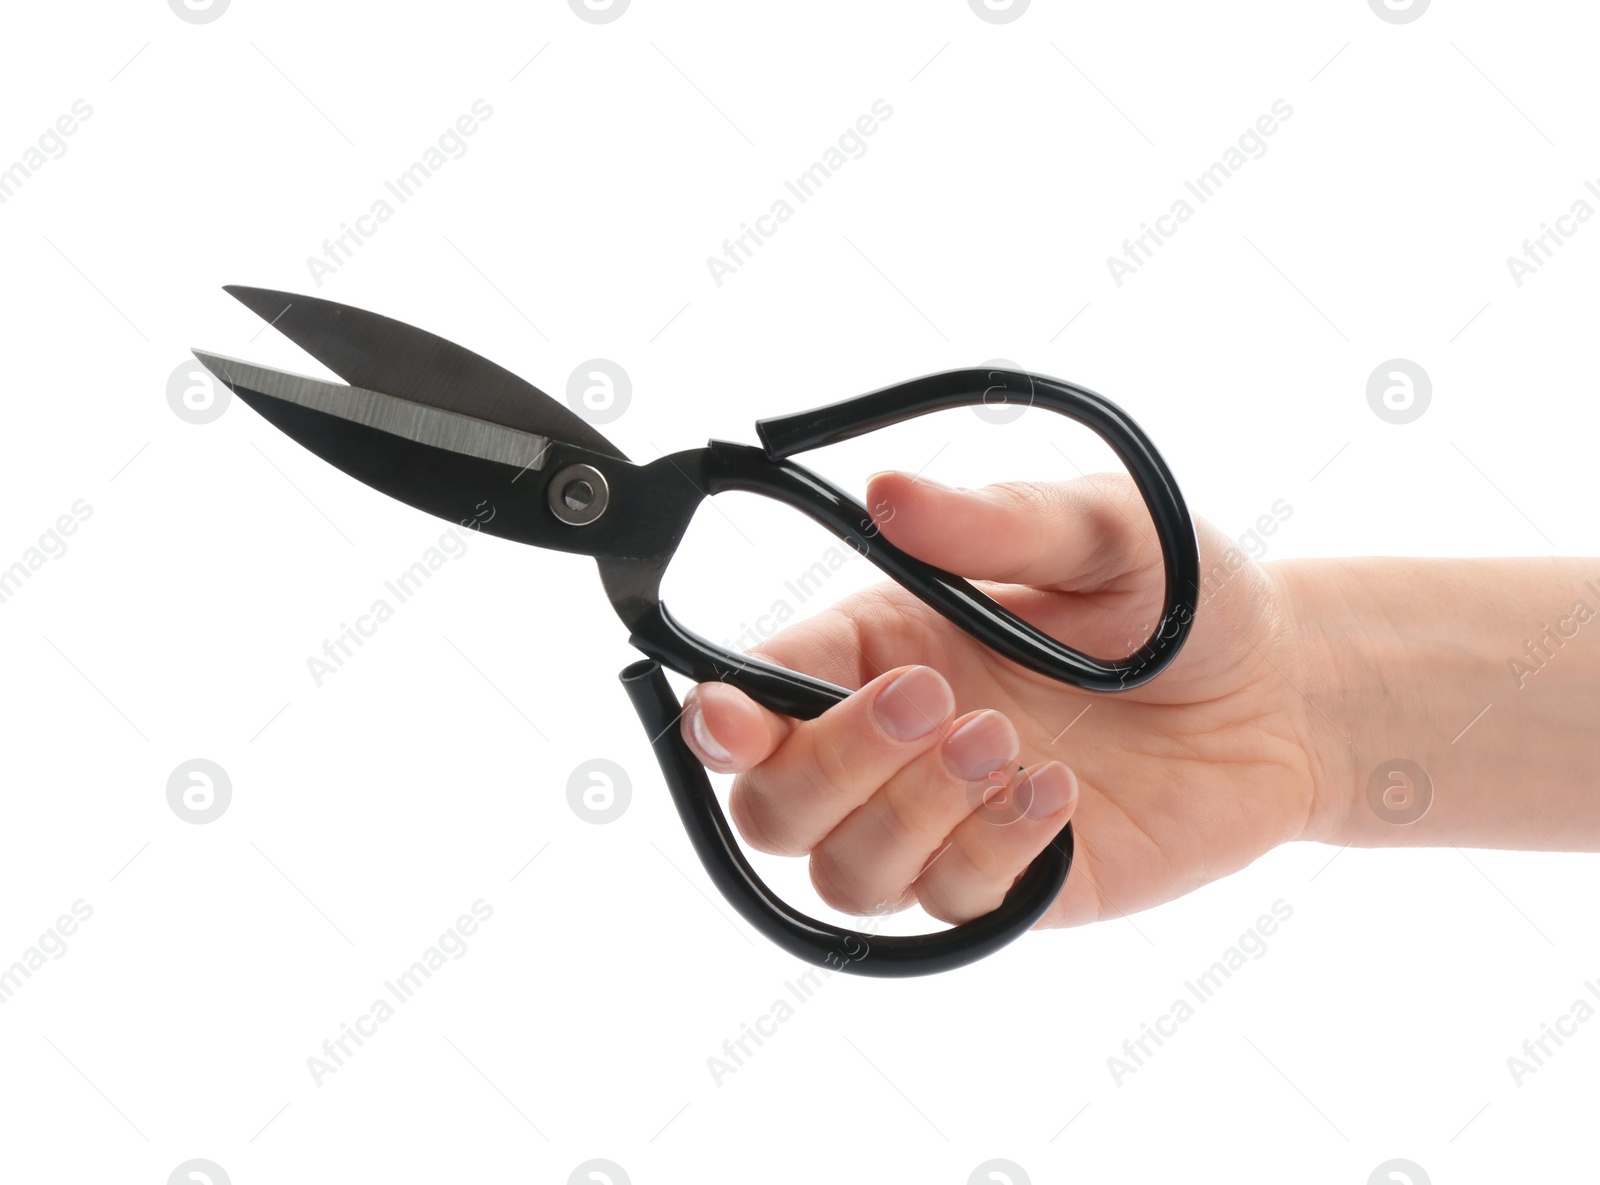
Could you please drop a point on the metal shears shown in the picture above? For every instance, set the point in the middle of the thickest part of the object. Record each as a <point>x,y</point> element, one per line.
<point>446,431</point>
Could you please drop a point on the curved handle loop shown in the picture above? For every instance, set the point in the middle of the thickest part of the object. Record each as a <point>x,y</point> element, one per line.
<point>965,606</point>
<point>729,467</point>
<point>658,634</point>
<point>834,947</point>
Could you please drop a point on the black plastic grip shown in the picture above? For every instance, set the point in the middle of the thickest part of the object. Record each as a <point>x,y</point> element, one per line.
<point>835,947</point>
<point>973,611</point>
<point>722,467</point>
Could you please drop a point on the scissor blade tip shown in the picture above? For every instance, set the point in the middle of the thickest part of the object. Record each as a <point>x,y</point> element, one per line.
<point>215,363</point>
<point>267,303</point>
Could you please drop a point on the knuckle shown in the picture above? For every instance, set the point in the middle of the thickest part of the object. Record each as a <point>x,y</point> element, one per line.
<point>957,889</point>
<point>939,904</point>
<point>941,909</point>
<point>1116,485</point>
<point>831,764</point>
<point>1031,500</point>
<point>840,885</point>
<point>981,861</point>
<point>903,816</point>
<point>761,825</point>
<point>1110,505</point>
<point>1115,498</point>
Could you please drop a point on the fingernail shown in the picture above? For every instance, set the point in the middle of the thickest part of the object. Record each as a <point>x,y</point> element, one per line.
<point>710,748</point>
<point>1053,788</point>
<point>983,744</point>
<point>914,704</point>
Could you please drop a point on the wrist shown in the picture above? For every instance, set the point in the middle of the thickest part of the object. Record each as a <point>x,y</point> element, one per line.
<point>1346,659</point>
<point>1447,701</point>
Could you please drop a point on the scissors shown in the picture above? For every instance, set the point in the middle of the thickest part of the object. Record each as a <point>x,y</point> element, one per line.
<point>446,431</point>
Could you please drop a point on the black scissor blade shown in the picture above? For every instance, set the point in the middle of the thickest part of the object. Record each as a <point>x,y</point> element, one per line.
<point>388,356</point>
<point>483,476</point>
<point>390,414</point>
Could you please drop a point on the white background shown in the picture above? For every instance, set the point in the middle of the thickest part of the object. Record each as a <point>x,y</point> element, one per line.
<point>369,812</point>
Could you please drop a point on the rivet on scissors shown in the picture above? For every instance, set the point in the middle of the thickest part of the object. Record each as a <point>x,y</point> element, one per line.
<point>579,494</point>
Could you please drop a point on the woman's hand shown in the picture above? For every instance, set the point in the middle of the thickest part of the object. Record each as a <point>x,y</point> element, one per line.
<point>909,791</point>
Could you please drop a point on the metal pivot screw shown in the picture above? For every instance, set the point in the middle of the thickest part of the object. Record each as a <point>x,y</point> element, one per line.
<point>579,494</point>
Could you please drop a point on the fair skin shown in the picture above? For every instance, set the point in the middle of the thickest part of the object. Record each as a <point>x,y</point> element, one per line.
<point>1298,680</point>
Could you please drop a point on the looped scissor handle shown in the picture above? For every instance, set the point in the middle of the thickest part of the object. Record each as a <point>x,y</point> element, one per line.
<point>973,611</point>
<point>658,634</point>
<point>826,945</point>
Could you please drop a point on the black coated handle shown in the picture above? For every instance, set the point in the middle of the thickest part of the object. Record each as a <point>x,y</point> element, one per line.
<point>738,467</point>
<point>973,611</point>
<point>888,956</point>
<point>728,467</point>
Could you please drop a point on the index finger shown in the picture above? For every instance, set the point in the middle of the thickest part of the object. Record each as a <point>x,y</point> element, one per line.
<point>849,644</point>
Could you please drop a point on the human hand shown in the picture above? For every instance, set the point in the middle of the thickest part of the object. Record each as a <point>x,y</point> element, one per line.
<point>909,790</point>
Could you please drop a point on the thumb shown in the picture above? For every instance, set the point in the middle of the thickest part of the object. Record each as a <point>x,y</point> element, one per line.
<point>1076,535</point>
